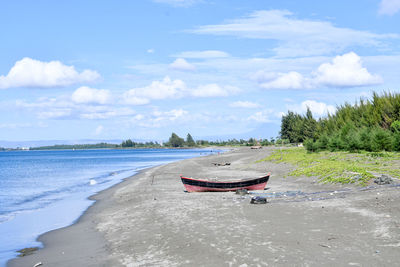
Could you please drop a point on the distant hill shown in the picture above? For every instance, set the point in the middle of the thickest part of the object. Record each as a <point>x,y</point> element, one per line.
<point>39,143</point>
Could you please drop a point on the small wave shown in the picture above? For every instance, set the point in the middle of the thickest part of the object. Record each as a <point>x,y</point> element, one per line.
<point>45,198</point>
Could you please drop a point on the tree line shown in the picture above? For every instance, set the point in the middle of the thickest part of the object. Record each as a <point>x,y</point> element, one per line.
<point>369,124</point>
<point>176,141</point>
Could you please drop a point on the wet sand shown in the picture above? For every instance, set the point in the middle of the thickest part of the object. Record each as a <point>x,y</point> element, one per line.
<point>148,220</point>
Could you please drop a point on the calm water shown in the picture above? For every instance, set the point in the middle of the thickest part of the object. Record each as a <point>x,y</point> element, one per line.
<point>45,190</point>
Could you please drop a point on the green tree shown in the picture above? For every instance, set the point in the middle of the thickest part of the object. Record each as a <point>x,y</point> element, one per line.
<point>309,126</point>
<point>395,127</point>
<point>189,140</point>
<point>176,141</point>
<point>381,140</point>
<point>127,143</point>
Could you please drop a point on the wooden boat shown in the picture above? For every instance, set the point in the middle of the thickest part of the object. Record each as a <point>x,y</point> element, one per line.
<point>198,185</point>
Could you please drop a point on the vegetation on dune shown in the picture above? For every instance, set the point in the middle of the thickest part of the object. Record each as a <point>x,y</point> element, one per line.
<point>368,125</point>
<point>339,167</point>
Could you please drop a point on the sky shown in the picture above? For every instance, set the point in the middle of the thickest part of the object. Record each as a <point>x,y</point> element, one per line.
<point>143,69</point>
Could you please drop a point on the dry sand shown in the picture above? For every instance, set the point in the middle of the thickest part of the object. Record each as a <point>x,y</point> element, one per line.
<point>149,220</point>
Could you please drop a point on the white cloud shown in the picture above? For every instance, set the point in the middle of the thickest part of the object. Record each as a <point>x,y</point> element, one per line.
<point>389,7</point>
<point>28,72</point>
<point>291,80</point>
<point>214,90</point>
<point>182,65</point>
<point>203,54</point>
<point>318,109</point>
<point>295,36</point>
<point>166,88</point>
<point>261,116</point>
<point>344,71</point>
<point>85,94</point>
<point>244,104</point>
<point>150,50</point>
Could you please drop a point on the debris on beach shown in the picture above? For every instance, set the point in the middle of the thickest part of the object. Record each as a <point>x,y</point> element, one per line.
<point>242,191</point>
<point>38,264</point>
<point>221,164</point>
<point>27,251</point>
<point>384,179</point>
<point>258,200</point>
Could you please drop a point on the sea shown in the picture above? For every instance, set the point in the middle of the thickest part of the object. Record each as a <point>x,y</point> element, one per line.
<point>45,190</point>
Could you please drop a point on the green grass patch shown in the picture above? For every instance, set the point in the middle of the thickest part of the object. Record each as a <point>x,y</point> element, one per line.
<point>339,167</point>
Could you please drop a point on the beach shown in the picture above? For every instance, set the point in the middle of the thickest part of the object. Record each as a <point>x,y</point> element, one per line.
<point>149,220</point>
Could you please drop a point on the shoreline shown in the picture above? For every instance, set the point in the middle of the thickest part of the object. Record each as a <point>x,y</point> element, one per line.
<point>83,222</point>
<point>150,220</point>
<point>47,239</point>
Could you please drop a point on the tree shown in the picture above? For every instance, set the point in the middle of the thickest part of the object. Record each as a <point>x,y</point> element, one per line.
<point>309,126</point>
<point>190,141</point>
<point>176,141</point>
<point>127,143</point>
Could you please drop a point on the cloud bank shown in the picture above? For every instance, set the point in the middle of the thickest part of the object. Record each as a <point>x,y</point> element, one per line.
<point>174,89</point>
<point>344,71</point>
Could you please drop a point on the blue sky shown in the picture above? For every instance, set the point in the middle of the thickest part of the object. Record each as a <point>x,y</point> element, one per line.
<point>142,69</point>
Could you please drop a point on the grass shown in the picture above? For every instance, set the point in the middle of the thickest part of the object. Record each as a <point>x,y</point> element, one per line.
<point>339,167</point>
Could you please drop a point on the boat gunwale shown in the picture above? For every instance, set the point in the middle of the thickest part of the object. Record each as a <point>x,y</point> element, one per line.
<point>229,181</point>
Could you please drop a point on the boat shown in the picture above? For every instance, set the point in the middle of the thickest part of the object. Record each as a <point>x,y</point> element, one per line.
<point>199,185</point>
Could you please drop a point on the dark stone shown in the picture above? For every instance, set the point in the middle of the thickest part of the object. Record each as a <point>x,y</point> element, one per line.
<point>384,179</point>
<point>258,200</point>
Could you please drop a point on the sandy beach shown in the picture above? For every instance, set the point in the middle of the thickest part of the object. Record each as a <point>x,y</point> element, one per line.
<point>149,220</point>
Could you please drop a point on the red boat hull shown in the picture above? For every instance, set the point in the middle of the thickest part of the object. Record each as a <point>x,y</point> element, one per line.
<point>197,185</point>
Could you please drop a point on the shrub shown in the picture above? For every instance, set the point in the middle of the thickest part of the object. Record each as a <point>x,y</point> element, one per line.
<point>353,143</point>
<point>381,140</point>
<point>396,141</point>
<point>310,145</point>
<point>365,136</point>
<point>335,143</point>
<point>323,142</point>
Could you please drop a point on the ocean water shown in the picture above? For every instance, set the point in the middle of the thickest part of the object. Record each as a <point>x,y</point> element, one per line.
<point>45,190</point>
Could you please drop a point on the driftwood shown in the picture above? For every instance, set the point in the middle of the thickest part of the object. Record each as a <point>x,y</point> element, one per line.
<point>221,164</point>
